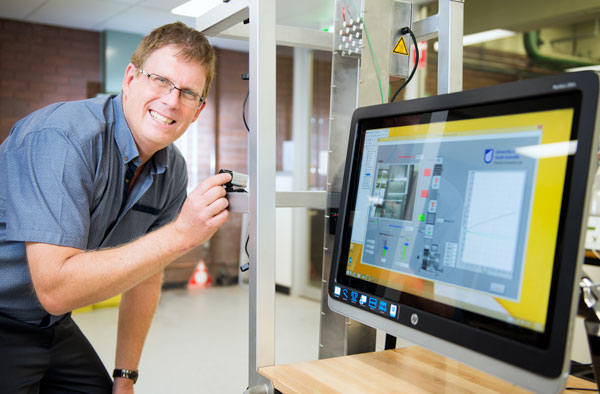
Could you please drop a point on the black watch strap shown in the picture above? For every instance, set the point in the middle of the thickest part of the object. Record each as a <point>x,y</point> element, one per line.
<point>126,373</point>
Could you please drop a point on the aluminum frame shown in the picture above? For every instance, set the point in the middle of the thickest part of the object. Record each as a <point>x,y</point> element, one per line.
<point>262,58</point>
<point>296,37</point>
<point>262,33</point>
<point>223,16</point>
<point>450,48</point>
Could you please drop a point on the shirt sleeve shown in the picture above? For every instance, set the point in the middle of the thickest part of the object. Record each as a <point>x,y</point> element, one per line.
<point>49,189</point>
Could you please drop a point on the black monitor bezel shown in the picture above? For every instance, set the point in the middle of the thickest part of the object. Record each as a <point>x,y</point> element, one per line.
<point>546,355</point>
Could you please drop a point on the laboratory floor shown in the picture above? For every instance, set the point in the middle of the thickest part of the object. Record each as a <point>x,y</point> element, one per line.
<point>198,342</point>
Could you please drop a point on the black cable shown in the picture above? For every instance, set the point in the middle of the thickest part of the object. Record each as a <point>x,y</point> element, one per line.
<point>403,31</point>
<point>245,77</point>
<point>245,267</point>
<point>244,111</point>
<point>580,389</point>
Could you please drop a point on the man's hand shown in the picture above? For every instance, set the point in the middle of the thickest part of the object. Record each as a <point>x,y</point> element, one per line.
<point>204,210</point>
<point>122,386</point>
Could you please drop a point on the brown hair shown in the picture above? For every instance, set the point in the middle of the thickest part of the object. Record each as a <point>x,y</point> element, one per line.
<point>193,44</point>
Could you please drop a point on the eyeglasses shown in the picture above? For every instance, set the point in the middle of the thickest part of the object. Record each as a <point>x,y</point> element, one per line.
<point>163,86</point>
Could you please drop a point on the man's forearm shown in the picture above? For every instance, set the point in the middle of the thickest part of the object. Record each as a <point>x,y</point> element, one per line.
<point>85,278</point>
<point>135,316</point>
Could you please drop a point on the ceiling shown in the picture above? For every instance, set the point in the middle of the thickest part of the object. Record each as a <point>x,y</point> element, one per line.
<point>141,16</point>
<point>134,16</point>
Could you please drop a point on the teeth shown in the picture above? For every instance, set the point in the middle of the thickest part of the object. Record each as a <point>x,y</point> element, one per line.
<point>161,118</point>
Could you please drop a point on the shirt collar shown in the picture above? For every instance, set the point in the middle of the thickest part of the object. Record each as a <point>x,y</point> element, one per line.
<point>126,143</point>
<point>123,135</point>
<point>160,160</point>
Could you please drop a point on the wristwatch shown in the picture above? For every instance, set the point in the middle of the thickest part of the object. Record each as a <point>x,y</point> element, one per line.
<point>126,373</point>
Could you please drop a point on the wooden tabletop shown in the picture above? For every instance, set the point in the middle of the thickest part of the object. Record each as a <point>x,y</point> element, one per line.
<point>590,254</point>
<point>407,370</point>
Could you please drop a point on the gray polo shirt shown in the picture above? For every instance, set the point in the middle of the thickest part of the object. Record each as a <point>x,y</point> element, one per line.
<point>64,174</point>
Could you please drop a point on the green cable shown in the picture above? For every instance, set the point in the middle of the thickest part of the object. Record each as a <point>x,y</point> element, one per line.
<point>372,51</point>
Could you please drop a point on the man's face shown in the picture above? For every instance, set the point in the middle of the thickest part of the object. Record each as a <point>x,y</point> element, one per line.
<point>157,119</point>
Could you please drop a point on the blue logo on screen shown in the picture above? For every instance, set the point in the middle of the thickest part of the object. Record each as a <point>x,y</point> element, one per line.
<point>353,296</point>
<point>488,156</point>
<point>383,306</point>
<point>345,293</point>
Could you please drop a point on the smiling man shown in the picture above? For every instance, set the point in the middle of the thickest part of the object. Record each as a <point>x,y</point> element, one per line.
<point>93,204</point>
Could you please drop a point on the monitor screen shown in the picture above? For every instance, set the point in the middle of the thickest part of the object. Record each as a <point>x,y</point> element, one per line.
<point>461,218</point>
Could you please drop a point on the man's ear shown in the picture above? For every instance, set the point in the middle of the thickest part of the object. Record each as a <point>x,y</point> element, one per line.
<point>198,111</point>
<point>129,75</point>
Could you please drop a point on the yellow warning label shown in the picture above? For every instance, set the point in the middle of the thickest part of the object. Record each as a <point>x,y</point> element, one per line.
<point>400,47</point>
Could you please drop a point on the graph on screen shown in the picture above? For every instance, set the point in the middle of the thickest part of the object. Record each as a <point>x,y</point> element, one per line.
<point>490,229</point>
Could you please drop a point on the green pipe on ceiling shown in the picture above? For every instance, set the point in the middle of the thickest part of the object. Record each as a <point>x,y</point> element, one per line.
<point>532,42</point>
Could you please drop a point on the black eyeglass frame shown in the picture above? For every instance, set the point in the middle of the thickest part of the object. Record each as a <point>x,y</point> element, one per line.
<point>201,99</point>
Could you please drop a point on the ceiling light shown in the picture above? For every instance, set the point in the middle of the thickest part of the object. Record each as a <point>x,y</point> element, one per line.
<point>483,36</point>
<point>591,68</point>
<point>196,8</point>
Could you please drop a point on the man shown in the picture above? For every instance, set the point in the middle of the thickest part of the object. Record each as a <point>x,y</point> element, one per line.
<point>93,204</point>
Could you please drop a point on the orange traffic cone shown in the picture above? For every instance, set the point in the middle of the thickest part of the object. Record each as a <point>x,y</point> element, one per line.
<point>200,277</point>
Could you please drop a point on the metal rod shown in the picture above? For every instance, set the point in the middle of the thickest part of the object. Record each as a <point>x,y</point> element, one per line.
<point>261,166</point>
<point>450,49</point>
<point>426,29</point>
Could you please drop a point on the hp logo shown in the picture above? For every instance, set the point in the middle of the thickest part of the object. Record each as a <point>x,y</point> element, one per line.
<point>414,319</point>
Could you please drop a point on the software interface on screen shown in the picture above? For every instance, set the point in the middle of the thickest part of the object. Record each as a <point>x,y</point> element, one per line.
<point>458,212</point>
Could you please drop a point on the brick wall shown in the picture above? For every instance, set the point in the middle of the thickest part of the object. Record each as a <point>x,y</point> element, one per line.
<point>284,94</point>
<point>231,151</point>
<point>40,65</point>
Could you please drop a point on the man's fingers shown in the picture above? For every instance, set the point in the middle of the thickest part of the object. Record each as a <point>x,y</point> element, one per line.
<point>217,206</point>
<point>215,180</point>
<point>213,194</point>
<point>220,218</point>
<point>205,209</point>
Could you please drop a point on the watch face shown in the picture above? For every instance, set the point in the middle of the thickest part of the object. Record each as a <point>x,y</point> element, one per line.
<point>133,376</point>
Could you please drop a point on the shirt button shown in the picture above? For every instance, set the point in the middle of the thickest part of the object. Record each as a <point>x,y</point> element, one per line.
<point>126,180</point>
<point>126,158</point>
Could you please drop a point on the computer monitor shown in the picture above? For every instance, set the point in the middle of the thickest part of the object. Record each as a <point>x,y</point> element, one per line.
<point>461,223</point>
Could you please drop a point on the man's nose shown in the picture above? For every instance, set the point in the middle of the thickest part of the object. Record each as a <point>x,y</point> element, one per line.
<point>171,98</point>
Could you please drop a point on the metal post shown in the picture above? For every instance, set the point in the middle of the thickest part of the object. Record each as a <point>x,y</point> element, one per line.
<point>301,131</point>
<point>261,166</point>
<point>450,49</point>
<point>355,82</point>
<point>343,100</point>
